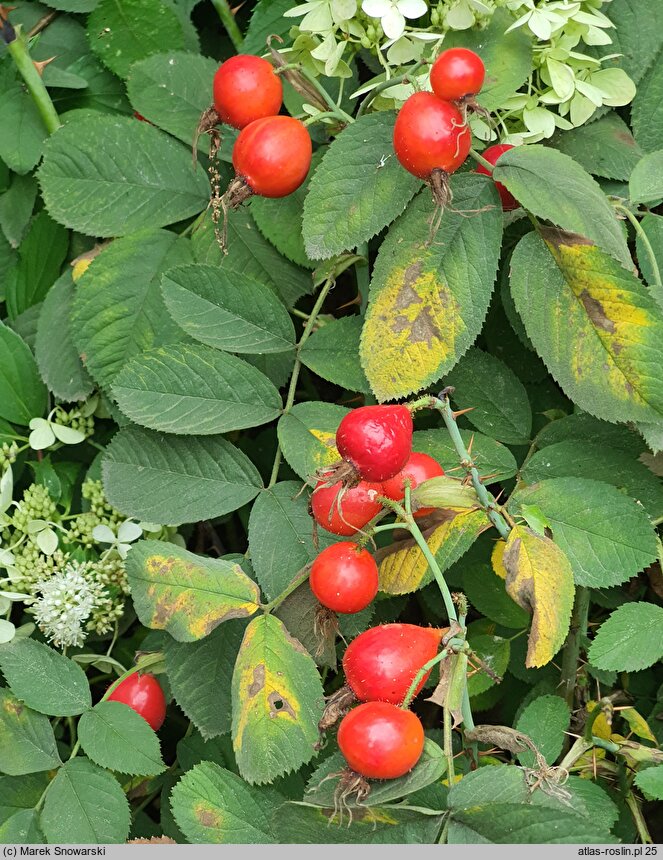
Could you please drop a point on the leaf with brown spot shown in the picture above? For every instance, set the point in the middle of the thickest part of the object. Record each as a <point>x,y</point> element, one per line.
<point>539,578</point>
<point>594,324</point>
<point>403,567</point>
<point>428,299</point>
<point>186,594</point>
<point>27,742</point>
<point>277,702</point>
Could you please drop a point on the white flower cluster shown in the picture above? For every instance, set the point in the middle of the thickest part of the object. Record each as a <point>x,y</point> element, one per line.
<point>566,86</point>
<point>64,604</point>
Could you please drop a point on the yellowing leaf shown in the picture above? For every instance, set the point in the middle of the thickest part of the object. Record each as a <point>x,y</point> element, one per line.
<point>307,435</point>
<point>540,579</point>
<point>637,723</point>
<point>186,594</point>
<point>601,727</point>
<point>497,558</point>
<point>428,298</point>
<point>403,567</point>
<point>277,701</point>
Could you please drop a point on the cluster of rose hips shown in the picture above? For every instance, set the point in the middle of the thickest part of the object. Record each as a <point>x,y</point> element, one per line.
<point>378,738</point>
<point>272,153</point>
<point>431,135</point>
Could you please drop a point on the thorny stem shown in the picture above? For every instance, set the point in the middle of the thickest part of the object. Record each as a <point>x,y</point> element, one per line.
<point>230,24</point>
<point>640,824</point>
<point>486,500</point>
<point>290,399</point>
<point>571,654</point>
<point>637,226</point>
<point>448,747</point>
<point>420,674</point>
<point>301,577</point>
<point>18,48</point>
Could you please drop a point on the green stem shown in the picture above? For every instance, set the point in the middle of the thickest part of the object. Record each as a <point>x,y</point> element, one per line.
<point>292,389</point>
<point>407,701</point>
<point>448,747</point>
<point>579,748</point>
<point>486,500</point>
<point>388,84</point>
<point>18,48</point>
<point>329,101</point>
<point>329,114</point>
<point>637,226</point>
<point>481,160</point>
<point>144,664</point>
<point>230,24</point>
<point>640,824</point>
<point>363,275</point>
<point>301,577</point>
<point>571,654</point>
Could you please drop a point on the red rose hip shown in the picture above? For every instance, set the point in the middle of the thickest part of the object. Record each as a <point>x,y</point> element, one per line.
<point>430,134</point>
<point>419,468</point>
<point>143,694</point>
<point>376,440</point>
<point>246,88</point>
<point>382,662</point>
<point>345,511</point>
<point>493,155</point>
<point>273,155</point>
<point>381,741</point>
<point>457,74</point>
<point>344,577</point>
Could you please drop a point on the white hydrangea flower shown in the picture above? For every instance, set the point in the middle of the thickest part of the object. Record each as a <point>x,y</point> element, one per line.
<point>392,14</point>
<point>66,601</point>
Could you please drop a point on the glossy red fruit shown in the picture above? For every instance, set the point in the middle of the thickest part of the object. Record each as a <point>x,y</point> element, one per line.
<point>382,662</point>
<point>246,88</point>
<point>376,440</point>
<point>143,694</point>
<point>419,468</point>
<point>430,134</point>
<point>344,577</point>
<point>458,73</point>
<point>349,512</point>
<point>273,155</point>
<point>493,155</point>
<point>381,741</point>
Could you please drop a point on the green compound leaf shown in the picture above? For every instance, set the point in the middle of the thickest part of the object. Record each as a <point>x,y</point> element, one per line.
<point>22,134</point>
<point>553,186</point>
<point>490,457</point>
<point>22,827</point>
<point>139,178</point>
<point>645,184</point>
<point>630,640</point>
<point>22,393</point>
<point>227,309</point>
<point>650,782</point>
<point>85,804</point>
<point>213,805</point>
<point>545,721</point>
<point>606,536</point>
<point>253,255</point>
<point>604,148</point>
<point>428,300</point>
<point>194,390</point>
<point>172,480</point>
<point>500,407</point>
<point>171,90</point>
<point>59,363</point>
<point>118,311</point>
<point>493,650</point>
<point>281,536</point>
<point>594,324</point>
<point>307,435</point>
<point>277,702</point>
<point>430,768</point>
<point>115,736</point>
<point>200,673</point>
<point>297,824</point>
<point>333,353</point>
<point>44,679</point>
<point>358,188</point>
<point>186,594</point>
<point>124,31</point>
<point>27,742</point>
<point>647,109</point>
<point>18,793</point>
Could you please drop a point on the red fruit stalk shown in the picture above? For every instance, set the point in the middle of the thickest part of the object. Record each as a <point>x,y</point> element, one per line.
<point>376,440</point>
<point>381,741</point>
<point>344,577</point>
<point>381,663</point>
<point>143,694</point>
